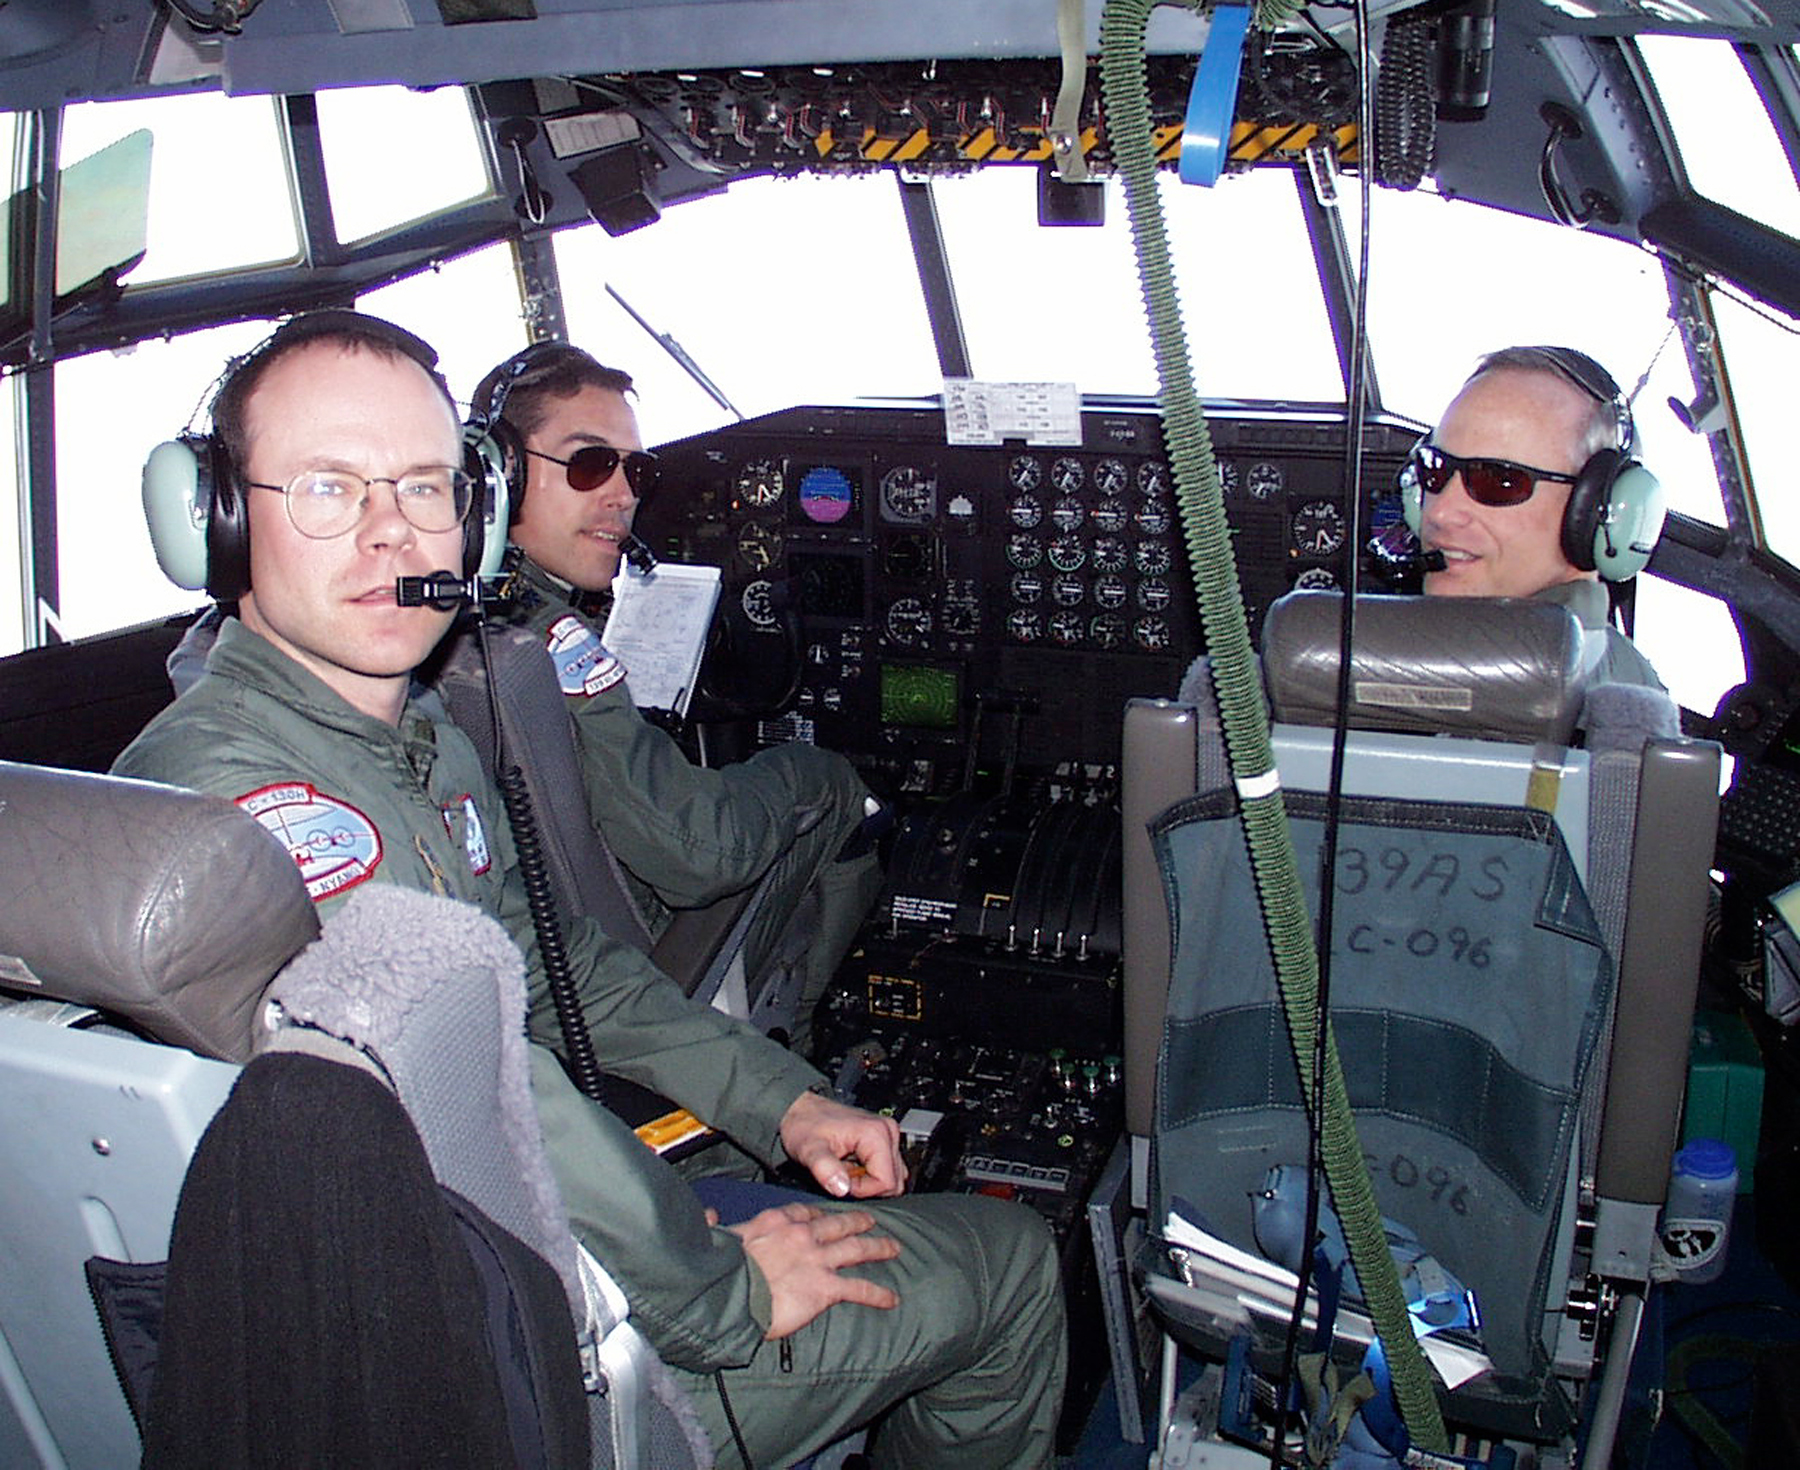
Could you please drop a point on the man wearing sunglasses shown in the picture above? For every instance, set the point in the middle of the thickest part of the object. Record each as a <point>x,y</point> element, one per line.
<point>1526,488</point>
<point>686,835</point>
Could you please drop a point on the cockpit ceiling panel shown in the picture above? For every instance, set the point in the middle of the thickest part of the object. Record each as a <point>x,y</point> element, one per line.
<point>54,51</point>
<point>925,116</point>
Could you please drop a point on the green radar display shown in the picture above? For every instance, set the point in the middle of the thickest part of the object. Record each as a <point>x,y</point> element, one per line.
<point>918,697</point>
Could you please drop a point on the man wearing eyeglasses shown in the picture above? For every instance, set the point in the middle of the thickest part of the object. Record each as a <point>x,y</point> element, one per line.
<point>687,835</point>
<point>336,451</point>
<point>1526,488</point>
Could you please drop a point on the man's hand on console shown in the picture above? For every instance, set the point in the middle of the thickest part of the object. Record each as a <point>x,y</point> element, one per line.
<point>848,1151</point>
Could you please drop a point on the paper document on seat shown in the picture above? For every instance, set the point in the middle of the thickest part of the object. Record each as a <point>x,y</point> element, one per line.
<point>657,629</point>
<point>1267,1290</point>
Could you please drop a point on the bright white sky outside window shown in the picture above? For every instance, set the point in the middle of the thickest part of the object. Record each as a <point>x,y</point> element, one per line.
<point>804,291</point>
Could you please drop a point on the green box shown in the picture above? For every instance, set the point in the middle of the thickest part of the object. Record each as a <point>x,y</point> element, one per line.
<point>1725,1088</point>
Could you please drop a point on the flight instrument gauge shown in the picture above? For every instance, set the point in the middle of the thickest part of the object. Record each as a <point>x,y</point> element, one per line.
<point>1108,630</point>
<point>1027,587</point>
<point>1152,634</point>
<point>962,615</point>
<point>1110,516</point>
<point>1068,514</point>
<point>1318,529</point>
<point>1025,625</point>
<point>1153,478</point>
<point>759,482</point>
<point>1264,480</point>
<point>1068,591</point>
<point>1153,520</point>
<point>1110,592</point>
<point>908,621</point>
<point>1024,552</point>
<point>758,546</point>
<point>1110,554</point>
<point>1067,628</point>
<point>1026,472</point>
<point>1316,579</point>
<point>1068,553</point>
<point>1110,477</point>
<point>1025,511</point>
<point>908,495</point>
<point>758,603</point>
<point>1228,477</point>
<point>1067,475</point>
<point>1153,595</point>
<point>1153,558</point>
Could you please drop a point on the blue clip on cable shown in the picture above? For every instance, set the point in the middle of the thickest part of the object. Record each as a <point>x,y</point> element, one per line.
<point>1212,101</point>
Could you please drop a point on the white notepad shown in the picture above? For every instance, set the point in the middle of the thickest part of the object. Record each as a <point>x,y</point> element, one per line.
<point>657,629</point>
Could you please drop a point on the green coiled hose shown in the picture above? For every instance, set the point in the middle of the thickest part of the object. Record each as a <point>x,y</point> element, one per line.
<point>1243,714</point>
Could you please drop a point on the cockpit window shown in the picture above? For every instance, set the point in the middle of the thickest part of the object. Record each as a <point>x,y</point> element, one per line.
<point>220,198</point>
<point>782,291</point>
<point>1450,281</point>
<point>394,156</point>
<point>1722,131</point>
<point>107,573</point>
<point>1762,354</point>
<point>1064,302</point>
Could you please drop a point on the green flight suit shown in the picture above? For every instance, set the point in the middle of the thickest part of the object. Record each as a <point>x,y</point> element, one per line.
<point>978,1341</point>
<point>691,834</point>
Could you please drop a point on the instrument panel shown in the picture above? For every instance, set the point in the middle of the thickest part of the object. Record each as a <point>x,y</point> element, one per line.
<point>922,606</point>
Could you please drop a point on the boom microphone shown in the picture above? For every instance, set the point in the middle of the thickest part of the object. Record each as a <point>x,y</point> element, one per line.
<point>442,590</point>
<point>641,557</point>
<point>1399,551</point>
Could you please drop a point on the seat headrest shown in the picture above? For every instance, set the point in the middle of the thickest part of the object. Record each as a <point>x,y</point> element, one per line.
<point>169,909</point>
<point>1492,668</point>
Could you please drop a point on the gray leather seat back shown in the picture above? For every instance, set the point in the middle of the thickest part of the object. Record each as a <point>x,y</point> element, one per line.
<point>131,898</point>
<point>1511,675</point>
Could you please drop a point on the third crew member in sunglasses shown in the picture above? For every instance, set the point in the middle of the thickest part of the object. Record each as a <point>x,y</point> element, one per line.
<point>1495,480</point>
<point>686,834</point>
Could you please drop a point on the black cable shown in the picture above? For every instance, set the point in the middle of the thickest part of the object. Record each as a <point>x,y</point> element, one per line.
<point>737,1435</point>
<point>578,1043</point>
<point>1405,103</point>
<point>1354,416</point>
<point>227,16</point>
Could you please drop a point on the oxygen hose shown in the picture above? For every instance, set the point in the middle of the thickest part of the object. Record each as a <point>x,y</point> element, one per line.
<point>1243,714</point>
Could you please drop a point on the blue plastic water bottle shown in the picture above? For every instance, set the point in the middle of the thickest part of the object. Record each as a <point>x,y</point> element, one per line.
<point>1697,1217</point>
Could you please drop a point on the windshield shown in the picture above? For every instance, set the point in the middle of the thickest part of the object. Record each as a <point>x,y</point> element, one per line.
<point>790,291</point>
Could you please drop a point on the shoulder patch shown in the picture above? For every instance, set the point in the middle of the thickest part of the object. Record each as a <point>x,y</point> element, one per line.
<point>333,844</point>
<point>583,666</point>
<point>465,814</point>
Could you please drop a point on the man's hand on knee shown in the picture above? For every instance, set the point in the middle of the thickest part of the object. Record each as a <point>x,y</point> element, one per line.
<point>802,1251</point>
<point>825,1137</point>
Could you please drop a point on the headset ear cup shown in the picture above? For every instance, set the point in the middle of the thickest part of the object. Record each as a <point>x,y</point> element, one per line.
<point>484,530</point>
<point>1412,505</point>
<point>1630,524</point>
<point>1587,502</point>
<point>227,529</point>
<point>177,490</point>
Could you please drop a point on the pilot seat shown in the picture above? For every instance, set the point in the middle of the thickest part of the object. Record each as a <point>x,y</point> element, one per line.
<point>144,1021</point>
<point>1519,893</point>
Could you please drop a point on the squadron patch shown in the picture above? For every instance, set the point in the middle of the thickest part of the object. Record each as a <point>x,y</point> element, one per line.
<point>474,835</point>
<point>333,844</point>
<point>583,666</point>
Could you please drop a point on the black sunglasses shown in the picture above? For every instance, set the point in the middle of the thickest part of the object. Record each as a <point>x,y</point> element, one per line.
<point>591,466</point>
<point>1488,481</point>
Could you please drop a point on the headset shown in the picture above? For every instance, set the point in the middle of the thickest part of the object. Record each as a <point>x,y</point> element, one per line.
<point>489,439</point>
<point>194,499</point>
<point>1616,506</point>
